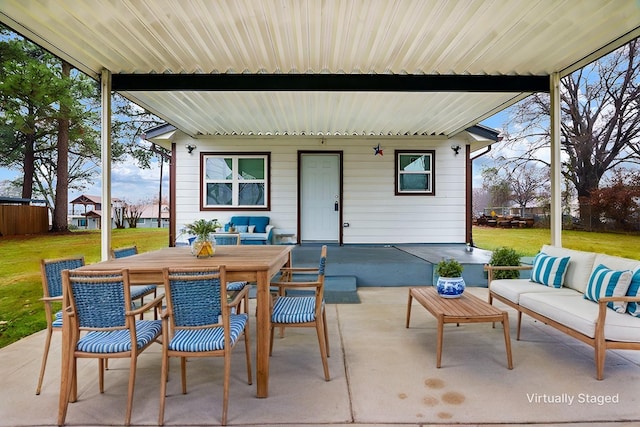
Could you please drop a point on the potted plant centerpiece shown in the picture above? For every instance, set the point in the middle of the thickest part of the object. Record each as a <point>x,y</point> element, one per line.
<point>450,283</point>
<point>204,244</point>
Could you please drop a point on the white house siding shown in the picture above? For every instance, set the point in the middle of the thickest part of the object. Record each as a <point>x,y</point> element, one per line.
<point>375,214</point>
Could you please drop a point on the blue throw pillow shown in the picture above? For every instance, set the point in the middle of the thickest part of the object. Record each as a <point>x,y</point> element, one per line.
<point>633,308</point>
<point>242,228</point>
<point>260,222</point>
<point>548,270</point>
<point>605,282</point>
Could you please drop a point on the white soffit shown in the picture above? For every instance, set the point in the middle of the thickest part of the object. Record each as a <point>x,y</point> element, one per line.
<point>395,37</point>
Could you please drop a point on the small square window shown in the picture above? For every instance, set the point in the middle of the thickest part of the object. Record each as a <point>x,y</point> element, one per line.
<point>415,173</point>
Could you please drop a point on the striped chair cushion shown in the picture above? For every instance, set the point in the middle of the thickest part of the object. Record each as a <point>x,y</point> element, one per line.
<point>140,290</point>
<point>549,270</point>
<point>120,340</point>
<point>57,320</point>
<point>236,286</point>
<point>294,310</point>
<point>207,339</point>
<point>605,282</point>
<point>633,308</point>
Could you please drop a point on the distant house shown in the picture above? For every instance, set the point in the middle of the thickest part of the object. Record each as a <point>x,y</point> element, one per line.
<point>89,217</point>
<point>149,217</point>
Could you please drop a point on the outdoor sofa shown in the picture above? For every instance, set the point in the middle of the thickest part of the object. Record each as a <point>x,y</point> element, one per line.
<point>253,230</point>
<point>589,296</point>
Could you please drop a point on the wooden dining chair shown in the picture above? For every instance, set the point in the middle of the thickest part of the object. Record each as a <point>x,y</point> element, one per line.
<point>100,308</point>
<point>199,322</point>
<point>138,292</point>
<point>51,275</point>
<point>295,306</point>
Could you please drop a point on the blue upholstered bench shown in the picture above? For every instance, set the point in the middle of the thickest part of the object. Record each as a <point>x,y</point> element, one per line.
<point>254,230</point>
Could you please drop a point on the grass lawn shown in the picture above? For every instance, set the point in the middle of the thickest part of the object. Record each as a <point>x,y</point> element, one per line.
<point>528,241</point>
<point>21,312</point>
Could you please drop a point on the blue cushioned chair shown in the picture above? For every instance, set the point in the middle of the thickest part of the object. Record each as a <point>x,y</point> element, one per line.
<point>138,292</point>
<point>51,274</point>
<point>296,309</point>
<point>199,322</point>
<point>100,306</point>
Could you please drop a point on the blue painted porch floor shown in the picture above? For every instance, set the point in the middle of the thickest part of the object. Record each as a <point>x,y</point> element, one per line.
<point>353,266</point>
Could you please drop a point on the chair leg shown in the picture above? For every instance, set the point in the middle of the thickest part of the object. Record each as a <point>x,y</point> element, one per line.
<point>247,349</point>
<point>101,363</point>
<point>326,332</point>
<point>271,341</point>
<point>164,374</point>
<point>323,348</point>
<point>132,384</point>
<point>183,368</point>
<point>225,392</point>
<point>45,355</point>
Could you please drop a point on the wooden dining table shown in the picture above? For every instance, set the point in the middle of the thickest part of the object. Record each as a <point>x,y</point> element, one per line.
<point>253,263</point>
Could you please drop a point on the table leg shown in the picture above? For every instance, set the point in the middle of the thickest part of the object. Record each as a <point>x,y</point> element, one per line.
<point>440,339</point>
<point>409,308</point>
<point>507,339</point>
<point>263,332</point>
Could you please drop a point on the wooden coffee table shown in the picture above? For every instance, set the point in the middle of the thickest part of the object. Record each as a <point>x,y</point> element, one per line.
<point>466,309</point>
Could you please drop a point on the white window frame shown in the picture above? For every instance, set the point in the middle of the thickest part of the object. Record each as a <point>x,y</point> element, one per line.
<point>235,180</point>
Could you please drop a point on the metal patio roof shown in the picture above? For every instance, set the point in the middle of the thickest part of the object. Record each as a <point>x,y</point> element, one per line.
<point>326,67</point>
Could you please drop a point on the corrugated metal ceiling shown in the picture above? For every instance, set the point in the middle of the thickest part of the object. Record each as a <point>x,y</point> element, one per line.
<point>462,37</point>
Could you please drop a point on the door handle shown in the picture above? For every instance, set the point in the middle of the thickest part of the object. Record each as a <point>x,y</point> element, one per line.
<point>335,206</point>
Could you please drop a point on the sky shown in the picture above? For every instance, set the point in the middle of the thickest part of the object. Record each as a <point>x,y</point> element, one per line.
<point>128,182</point>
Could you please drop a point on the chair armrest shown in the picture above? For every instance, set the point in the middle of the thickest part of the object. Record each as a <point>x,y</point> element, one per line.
<point>624,298</point>
<point>154,303</point>
<point>51,299</point>
<point>295,284</point>
<point>238,297</point>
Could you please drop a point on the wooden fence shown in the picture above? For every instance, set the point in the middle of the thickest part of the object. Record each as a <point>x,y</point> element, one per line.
<point>23,219</point>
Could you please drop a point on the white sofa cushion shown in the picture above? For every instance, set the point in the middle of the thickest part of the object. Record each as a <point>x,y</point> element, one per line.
<point>549,270</point>
<point>580,314</point>
<point>605,282</point>
<point>511,289</point>
<point>579,268</point>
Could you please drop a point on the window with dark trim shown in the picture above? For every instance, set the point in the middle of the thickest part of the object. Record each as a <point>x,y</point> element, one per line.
<point>415,172</point>
<point>235,180</point>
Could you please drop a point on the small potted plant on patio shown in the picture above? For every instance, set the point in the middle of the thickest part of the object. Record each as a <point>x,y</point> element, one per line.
<point>204,244</point>
<point>450,283</point>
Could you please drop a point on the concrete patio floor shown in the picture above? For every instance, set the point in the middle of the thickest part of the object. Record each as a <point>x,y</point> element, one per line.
<point>382,374</point>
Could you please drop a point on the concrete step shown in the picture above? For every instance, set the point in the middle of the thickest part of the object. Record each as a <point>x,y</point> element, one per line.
<point>337,289</point>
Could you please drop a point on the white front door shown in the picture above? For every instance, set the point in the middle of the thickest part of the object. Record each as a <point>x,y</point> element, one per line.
<point>320,197</point>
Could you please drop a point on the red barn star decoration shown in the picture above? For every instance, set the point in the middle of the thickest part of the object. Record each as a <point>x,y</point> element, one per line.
<point>378,150</point>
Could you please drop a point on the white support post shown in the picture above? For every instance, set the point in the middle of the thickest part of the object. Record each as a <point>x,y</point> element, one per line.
<point>105,142</point>
<point>556,163</point>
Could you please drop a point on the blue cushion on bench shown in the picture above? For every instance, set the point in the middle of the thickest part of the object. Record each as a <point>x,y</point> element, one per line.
<point>260,222</point>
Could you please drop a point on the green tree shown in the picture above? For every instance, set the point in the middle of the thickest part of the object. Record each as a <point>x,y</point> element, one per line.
<point>497,186</point>
<point>49,124</point>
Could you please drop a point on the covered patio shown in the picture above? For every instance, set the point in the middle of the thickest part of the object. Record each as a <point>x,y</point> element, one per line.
<point>381,374</point>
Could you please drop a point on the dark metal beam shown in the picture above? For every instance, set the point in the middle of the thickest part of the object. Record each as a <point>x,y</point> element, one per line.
<point>329,83</point>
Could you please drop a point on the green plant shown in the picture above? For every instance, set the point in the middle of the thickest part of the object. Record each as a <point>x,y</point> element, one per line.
<point>505,256</point>
<point>449,268</point>
<point>202,228</point>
